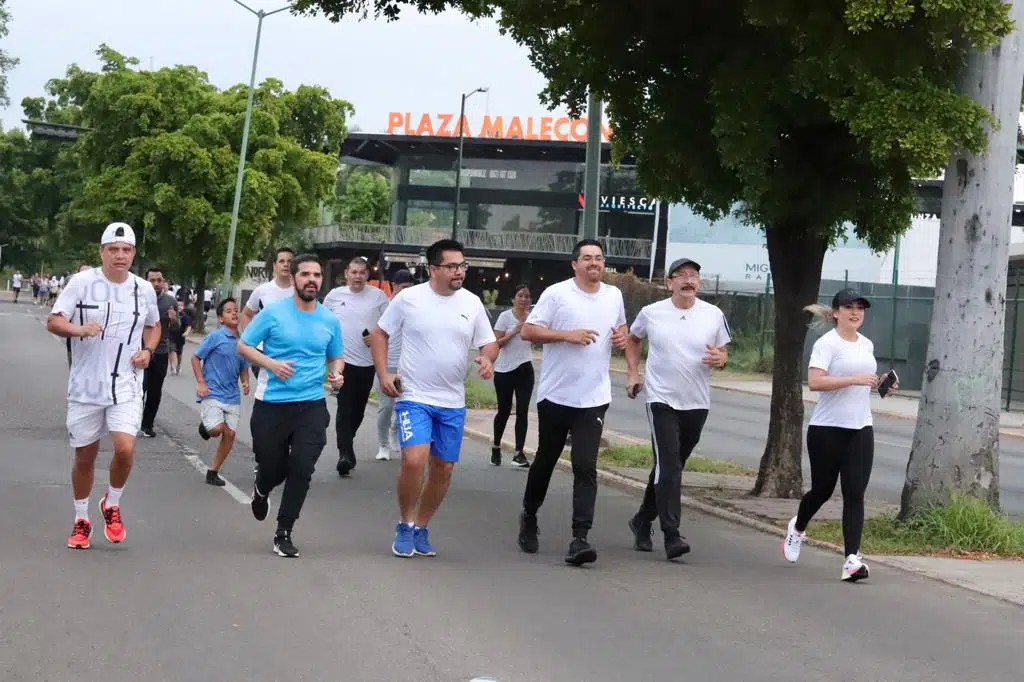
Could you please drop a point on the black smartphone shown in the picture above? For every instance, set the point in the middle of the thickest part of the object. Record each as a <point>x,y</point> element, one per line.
<point>366,332</point>
<point>887,383</point>
<point>398,384</point>
<point>633,389</point>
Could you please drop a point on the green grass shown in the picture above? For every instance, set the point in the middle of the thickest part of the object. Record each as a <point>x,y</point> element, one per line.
<point>479,396</point>
<point>968,527</point>
<point>745,356</point>
<point>640,456</point>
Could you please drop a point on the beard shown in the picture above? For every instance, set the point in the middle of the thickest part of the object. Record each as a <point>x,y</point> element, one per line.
<point>307,294</point>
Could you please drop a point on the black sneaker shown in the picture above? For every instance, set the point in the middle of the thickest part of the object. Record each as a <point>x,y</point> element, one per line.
<point>213,478</point>
<point>203,433</point>
<point>283,544</point>
<point>641,535</point>
<point>676,546</point>
<point>260,504</point>
<point>528,533</point>
<point>580,552</point>
<point>148,432</point>
<point>345,465</point>
<point>496,457</point>
<point>520,461</point>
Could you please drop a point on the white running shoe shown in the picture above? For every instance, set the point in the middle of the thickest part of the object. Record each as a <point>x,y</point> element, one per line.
<point>791,545</point>
<point>383,454</point>
<point>854,569</point>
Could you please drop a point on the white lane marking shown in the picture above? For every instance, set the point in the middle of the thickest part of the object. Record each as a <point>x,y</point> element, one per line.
<point>230,488</point>
<point>905,446</point>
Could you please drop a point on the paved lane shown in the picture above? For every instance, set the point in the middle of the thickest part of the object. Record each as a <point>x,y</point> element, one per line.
<point>196,594</point>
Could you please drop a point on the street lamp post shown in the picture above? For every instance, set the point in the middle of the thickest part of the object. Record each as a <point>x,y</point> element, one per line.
<point>260,16</point>
<point>458,164</point>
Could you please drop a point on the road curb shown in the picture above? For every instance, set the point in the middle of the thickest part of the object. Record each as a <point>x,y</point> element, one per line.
<point>762,526</point>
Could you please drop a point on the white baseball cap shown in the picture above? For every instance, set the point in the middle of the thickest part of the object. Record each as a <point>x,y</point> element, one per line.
<point>118,232</point>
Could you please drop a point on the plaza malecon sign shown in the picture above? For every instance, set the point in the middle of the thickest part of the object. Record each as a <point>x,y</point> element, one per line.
<point>547,128</point>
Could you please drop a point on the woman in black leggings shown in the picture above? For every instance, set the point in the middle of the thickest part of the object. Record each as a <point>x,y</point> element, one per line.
<point>840,439</point>
<point>513,376</point>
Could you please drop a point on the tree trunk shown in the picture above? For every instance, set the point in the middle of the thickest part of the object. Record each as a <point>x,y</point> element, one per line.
<point>795,259</point>
<point>956,440</point>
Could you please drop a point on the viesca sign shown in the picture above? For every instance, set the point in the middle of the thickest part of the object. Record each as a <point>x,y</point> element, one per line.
<point>623,203</point>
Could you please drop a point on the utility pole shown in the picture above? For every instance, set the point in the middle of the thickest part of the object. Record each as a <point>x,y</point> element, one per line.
<point>458,163</point>
<point>228,284</point>
<point>592,173</point>
<point>956,439</point>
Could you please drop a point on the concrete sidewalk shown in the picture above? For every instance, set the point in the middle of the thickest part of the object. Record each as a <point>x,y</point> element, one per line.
<point>727,497</point>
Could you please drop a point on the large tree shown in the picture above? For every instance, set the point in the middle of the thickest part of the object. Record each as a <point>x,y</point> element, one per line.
<point>162,153</point>
<point>7,62</point>
<point>804,117</point>
<point>956,441</point>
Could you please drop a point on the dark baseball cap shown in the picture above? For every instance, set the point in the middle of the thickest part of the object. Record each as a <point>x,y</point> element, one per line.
<point>680,262</point>
<point>402,276</point>
<point>848,296</point>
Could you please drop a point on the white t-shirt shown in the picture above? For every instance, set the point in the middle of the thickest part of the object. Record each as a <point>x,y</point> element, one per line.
<point>394,348</point>
<point>267,293</point>
<point>570,374</point>
<point>101,371</point>
<point>515,352</point>
<point>850,407</point>
<point>356,312</point>
<point>677,343</point>
<point>437,334</point>
<point>16,280</point>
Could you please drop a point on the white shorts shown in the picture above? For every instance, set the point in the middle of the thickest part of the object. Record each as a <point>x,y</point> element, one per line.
<point>214,412</point>
<point>89,423</point>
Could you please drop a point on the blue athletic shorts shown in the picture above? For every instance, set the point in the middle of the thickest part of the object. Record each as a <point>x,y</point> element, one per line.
<point>441,427</point>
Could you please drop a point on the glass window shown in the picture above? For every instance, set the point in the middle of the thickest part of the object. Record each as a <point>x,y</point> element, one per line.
<point>432,213</point>
<point>439,171</point>
<point>508,218</point>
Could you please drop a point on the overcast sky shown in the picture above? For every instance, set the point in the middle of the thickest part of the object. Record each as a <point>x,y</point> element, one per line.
<point>418,64</point>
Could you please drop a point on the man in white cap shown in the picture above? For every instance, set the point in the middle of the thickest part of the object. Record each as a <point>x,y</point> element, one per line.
<point>112,318</point>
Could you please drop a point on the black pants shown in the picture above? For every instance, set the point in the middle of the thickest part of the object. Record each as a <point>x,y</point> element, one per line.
<point>518,383</point>
<point>352,399</point>
<point>835,452</point>
<point>674,435</point>
<point>153,387</point>
<point>287,439</point>
<point>554,423</point>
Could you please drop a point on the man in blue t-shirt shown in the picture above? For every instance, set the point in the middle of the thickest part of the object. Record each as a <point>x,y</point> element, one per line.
<point>289,418</point>
<point>219,368</point>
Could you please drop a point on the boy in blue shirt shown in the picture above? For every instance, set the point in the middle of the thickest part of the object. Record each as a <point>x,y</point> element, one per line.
<point>217,380</point>
<point>289,417</point>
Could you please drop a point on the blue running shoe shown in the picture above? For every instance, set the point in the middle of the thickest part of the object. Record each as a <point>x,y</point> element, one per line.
<point>421,542</point>
<point>403,545</point>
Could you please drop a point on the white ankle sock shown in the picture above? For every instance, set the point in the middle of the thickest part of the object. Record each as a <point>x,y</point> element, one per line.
<point>114,496</point>
<point>82,509</point>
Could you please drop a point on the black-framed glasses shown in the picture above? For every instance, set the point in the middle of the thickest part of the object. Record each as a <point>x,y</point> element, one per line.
<point>453,267</point>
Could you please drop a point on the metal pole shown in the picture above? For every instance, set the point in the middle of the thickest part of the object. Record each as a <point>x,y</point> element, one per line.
<point>226,285</point>
<point>1013,339</point>
<point>592,174</point>
<point>654,244</point>
<point>458,171</point>
<point>895,284</point>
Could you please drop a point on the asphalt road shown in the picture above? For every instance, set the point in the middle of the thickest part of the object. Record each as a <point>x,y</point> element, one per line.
<point>195,594</point>
<point>737,427</point>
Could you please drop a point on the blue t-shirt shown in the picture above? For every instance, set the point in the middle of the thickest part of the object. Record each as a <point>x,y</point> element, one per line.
<point>222,365</point>
<point>306,339</point>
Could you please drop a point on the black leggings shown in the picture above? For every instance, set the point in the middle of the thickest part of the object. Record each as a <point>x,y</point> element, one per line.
<point>518,382</point>
<point>835,452</point>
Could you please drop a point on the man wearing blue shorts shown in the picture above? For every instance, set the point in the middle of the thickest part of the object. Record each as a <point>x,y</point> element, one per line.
<point>439,322</point>
<point>289,416</point>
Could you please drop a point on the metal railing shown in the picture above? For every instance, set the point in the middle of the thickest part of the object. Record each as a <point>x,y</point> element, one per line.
<point>536,242</point>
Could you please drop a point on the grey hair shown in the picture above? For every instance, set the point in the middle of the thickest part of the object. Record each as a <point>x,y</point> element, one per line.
<point>823,318</point>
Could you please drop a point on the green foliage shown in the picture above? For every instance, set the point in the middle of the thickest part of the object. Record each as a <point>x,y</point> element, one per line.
<point>966,527</point>
<point>162,154</point>
<point>7,62</point>
<point>364,197</point>
<point>640,456</point>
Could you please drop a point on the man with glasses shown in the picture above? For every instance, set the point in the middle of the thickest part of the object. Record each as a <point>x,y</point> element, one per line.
<point>578,321</point>
<point>686,338</point>
<point>439,323</point>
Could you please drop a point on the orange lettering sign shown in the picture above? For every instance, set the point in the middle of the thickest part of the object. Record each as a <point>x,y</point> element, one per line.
<point>545,128</point>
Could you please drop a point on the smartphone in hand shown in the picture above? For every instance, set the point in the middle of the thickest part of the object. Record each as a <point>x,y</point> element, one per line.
<point>890,379</point>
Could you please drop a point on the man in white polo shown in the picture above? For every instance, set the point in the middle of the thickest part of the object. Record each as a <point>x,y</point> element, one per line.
<point>112,318</point>
<point>687,337</point>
